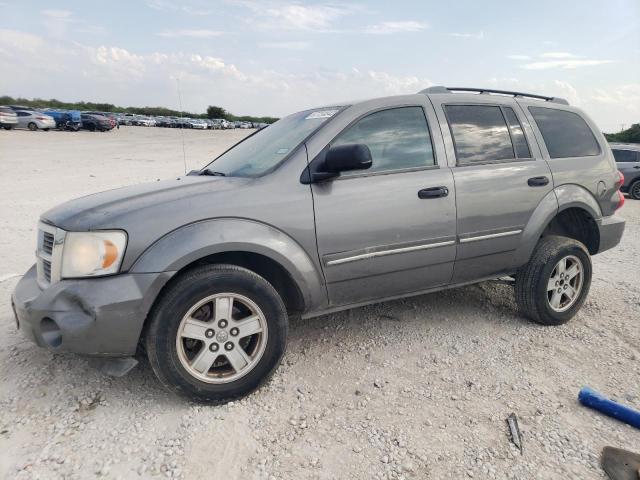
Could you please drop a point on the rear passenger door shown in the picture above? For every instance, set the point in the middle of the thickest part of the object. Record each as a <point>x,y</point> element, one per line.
<point>500,179</point>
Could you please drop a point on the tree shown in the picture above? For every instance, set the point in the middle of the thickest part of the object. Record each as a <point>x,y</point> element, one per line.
<point>630,135</point>
<point>216,112</point>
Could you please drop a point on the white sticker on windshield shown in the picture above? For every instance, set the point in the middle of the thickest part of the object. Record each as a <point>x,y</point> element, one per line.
<point>321,114</point>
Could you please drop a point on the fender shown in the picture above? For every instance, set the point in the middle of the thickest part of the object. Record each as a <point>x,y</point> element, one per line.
<point>189,243</point>
<point>559,199</point>
<point>572,195</point>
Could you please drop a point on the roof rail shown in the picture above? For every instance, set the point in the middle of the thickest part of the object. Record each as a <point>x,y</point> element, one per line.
<point>441,89</point>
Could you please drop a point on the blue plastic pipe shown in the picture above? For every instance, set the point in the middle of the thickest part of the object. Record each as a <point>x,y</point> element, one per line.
<point>592,399</point>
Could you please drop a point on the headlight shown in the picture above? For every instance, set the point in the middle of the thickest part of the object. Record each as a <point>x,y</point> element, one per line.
<point>88,254</point>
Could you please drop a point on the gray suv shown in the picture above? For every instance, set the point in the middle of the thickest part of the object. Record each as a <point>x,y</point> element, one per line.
<point>325,210</point>
<point>627,157</point>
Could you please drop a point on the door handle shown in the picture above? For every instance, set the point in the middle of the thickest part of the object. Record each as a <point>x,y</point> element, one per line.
<point>637,167</point>
<point>538,181</point>
<point>433,192</point>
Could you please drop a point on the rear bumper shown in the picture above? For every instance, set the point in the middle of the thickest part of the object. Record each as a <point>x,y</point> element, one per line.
<point>100,316</point>
<point>611,229</point>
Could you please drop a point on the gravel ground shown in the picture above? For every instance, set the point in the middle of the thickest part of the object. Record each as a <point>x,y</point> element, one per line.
<point>415,388</point>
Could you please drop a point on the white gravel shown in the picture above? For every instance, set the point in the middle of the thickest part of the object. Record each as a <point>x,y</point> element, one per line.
<point>416,388</point>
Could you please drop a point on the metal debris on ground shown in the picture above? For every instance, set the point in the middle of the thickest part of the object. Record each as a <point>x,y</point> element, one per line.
<point>620,464</point>
<point>516,437</point>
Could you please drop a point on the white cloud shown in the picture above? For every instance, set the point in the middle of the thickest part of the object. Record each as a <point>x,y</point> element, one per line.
<point>57,22</point>
<point>563,64</point>
<point>195,33</point>
<point>476,36</point>
<point>171,6</point>
<point>285,45</point>
<point>559,55</point>
<point>116,75</point>
<point>396,27</point>
<point>519,57</point>
<point>274,15</point>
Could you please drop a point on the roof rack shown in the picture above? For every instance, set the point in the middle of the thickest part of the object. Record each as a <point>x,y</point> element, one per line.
<point>441,89</point>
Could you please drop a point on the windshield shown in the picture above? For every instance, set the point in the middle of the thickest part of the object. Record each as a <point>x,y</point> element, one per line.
<point>266,148</point>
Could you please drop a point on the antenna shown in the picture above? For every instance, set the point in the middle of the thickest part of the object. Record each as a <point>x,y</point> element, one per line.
<point>184,154</point>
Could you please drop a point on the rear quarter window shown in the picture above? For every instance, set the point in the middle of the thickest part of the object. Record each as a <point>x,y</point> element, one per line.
<point>565,133</point>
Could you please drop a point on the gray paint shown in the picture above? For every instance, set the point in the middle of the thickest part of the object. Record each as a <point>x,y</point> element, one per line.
<point>347,241</point>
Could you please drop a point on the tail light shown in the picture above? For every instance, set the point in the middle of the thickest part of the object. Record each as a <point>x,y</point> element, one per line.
<point>620,200</point>
<point>41,118</point>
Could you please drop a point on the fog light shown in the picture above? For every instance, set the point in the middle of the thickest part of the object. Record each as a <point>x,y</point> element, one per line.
<point>50,332</point>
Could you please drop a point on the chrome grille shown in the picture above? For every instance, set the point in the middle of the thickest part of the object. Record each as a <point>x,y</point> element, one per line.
<point>47,242</point>
<point>46,270</point>
<point>49,254</point>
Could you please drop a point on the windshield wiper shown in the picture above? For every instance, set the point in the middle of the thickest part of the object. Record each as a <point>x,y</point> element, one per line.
<point>212,173</point>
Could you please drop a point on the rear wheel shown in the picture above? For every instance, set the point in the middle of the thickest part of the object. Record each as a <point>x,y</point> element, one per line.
<point>552,287</point>
<point>217,333</point>
<point>32,126</point>
<point>634,190</point>
<point>8,127</point>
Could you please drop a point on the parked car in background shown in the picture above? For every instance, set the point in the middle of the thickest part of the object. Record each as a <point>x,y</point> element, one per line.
<point>8,118</point>
<point>143,121</point>
<point>65,119</point>
<point>95,122</point>
<point>109,116</point>
<point>627,157</point>
<point>197,123</point>
<point>35,120</point>
<point>461,186</point>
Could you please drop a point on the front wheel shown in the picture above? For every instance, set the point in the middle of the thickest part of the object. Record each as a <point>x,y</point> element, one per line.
<point>552,287</point>
<point>217,333</point>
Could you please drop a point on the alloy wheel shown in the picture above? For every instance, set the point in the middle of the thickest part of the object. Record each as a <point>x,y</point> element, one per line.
<point>565,283</point>
<point>221,338</point>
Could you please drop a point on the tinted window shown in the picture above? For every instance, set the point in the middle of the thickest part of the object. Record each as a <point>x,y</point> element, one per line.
<point>566,134</point>
<point>517,134</point>
<point>23,114</point>
<point>398,138</point>
<point>480,133</point>
<point>625,155</point>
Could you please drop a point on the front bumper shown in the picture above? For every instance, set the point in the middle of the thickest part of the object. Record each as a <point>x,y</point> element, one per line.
<point>611,229</point>
<point>98,316</point>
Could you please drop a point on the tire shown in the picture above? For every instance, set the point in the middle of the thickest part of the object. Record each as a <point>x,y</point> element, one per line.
<point>190,304</point>
<point>45,129</point>
<point>634,190</point>
<point>8,127</point>
<point>32,126</point>
<point>533,296</point>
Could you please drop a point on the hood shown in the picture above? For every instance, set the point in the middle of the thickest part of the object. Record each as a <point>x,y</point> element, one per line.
<point>117,208</point>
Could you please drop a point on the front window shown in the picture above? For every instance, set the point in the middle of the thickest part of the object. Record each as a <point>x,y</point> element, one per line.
<point>265,149</point>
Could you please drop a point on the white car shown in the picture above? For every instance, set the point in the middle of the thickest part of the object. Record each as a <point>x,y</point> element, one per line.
<point>201,124</point>
<point>8,118</point>
<point>35,120</point>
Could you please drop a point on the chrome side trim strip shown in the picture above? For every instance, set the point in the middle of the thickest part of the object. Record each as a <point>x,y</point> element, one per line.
<point>392,251</point>
<point>491,235</point>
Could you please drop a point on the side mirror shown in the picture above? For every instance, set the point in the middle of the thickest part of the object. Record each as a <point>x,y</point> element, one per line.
<point>342,158</point>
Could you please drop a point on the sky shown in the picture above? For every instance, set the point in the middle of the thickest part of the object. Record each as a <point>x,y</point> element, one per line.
<point>272,57</point>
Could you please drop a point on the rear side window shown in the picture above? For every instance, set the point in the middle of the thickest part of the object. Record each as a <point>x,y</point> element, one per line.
<point>626,155</point>
<point>480,133</point>
<point>565,133</point>
<point>398,138</point>
<point>517,134</point>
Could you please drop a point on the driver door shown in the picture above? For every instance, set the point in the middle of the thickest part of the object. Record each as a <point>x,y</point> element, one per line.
<point>389,230</point>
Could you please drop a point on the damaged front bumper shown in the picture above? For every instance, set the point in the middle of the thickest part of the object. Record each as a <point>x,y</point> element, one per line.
<point>96,316</point>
